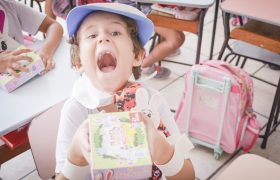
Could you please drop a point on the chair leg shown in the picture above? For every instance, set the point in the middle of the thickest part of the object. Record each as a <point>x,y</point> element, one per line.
<point>214,28</point>
<point>225,59</point>
<point>240,20</point>
<point>243,63</point>
<point>272,117</point>
<point>0,171</point>
<point>40,7</point>
<point>200,34</point>
<point>153,42</point>
<point>226,17</point>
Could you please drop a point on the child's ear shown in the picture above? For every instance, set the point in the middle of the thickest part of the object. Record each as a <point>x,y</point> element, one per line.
<point>138,61</point>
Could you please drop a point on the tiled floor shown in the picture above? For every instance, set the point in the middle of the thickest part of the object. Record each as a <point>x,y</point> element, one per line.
<point>206,167</point>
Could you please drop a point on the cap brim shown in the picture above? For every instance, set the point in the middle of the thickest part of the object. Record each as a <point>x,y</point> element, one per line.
<point>77,15</point>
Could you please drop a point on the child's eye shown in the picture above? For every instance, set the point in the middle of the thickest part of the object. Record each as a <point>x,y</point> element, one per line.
<point>115,33</point>
<point>92,36</point>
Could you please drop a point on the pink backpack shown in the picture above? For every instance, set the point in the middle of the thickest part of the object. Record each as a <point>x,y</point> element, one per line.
<point>216,108</point>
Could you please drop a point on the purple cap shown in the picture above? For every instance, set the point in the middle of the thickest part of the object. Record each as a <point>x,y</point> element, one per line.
<point>78,14</point>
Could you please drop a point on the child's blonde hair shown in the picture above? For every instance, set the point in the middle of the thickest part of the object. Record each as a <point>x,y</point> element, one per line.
<point>132,31</point>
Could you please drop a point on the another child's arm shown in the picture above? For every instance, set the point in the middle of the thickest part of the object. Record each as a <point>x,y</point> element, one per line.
<point>9,61</point>
<point>54,32</point>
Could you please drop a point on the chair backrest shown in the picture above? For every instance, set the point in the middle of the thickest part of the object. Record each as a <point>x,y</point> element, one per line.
<point>42,136</point>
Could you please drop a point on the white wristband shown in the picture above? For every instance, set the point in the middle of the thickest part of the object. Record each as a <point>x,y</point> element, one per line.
<point>181,152</point>
<point>71,171</point>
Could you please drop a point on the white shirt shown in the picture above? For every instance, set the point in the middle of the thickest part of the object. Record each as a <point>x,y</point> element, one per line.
<point>74,113</point>
<point>20,18</point>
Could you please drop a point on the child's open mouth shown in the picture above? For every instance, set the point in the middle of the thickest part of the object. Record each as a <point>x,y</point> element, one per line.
<point>106,62</point>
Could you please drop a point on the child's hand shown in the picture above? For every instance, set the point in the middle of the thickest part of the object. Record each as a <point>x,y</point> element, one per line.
<point>79,151</point>
<point>47,60</point>
<point>9,61</point>
<point>161,151</point>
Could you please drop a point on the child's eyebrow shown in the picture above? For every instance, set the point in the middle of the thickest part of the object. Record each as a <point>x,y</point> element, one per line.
<point>87,28</point>
<point>119,23</point>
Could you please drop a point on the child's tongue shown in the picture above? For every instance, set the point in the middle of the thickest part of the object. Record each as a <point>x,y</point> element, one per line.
<point>107,63</point>
<point>108,69</point>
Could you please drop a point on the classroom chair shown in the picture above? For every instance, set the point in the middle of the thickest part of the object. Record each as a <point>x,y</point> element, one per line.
<point>262,35</point>
<point>42,136</point>
<point>168,21</point>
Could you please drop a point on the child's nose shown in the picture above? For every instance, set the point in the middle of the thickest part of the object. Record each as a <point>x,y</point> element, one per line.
<point>104,39</point>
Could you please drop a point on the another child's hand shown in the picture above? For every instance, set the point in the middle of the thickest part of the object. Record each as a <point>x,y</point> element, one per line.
<point>79,151</point>
<point>161,151</point>
<point>9,61</point>
<point>47,60</point>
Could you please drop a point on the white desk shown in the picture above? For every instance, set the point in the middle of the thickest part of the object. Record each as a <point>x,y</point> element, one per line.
<point>42,92</point>
<point>261,10</point>
<point>188,3</point>
<point>251,166</point>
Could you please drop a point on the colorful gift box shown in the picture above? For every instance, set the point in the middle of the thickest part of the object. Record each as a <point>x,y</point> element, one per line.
<point>9,83</point>
<point>119,146</point>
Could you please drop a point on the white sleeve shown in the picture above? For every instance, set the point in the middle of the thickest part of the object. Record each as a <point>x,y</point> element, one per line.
<point>72,116</point>
<point>166,115</point>
<point>29,18</point>
<point>167,118</point>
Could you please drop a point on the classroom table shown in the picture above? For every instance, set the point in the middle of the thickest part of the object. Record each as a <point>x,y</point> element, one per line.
<point>251,166</point>
<point>261,10</point>
<point>187,3</point>
<point>267,12</point>
<point>40,93</point>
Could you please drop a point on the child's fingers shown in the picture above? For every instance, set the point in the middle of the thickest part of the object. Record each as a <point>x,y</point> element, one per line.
<point>16,66</point>
<point>49,65</point>
<point>102,111</point>
<point>21,51</point>
<point>6,52</point>
<point>85,140</point>
<point>145,118</point>
<point>21,57</point>
<point>12,72</point>
<point>147,121</point>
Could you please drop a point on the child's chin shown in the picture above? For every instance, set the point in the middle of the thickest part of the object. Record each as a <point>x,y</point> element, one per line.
<point>111,88</point>
<point>113,83</point>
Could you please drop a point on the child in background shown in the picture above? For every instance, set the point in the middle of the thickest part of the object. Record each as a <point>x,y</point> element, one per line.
<point>170,42</point>
<point>107,42</point>
<point>19,18</point>
<point>60,8</point>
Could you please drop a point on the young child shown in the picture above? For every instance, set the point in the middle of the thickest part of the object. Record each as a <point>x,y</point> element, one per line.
<point>19,18</point>
<point>107,42</point>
